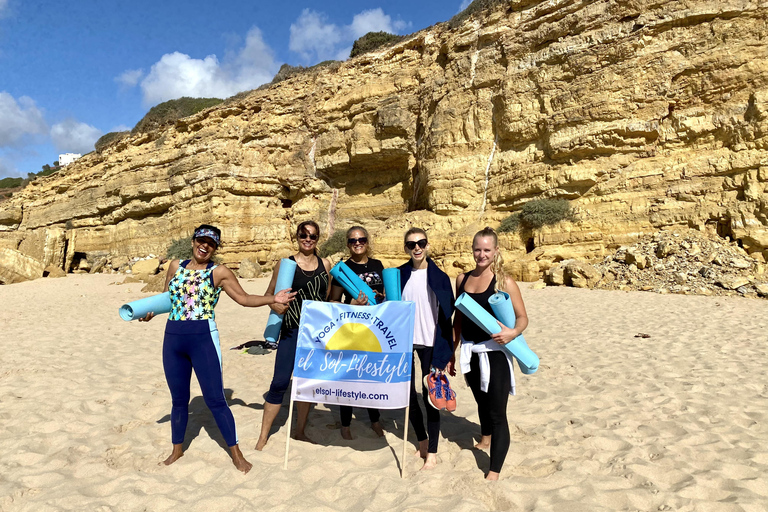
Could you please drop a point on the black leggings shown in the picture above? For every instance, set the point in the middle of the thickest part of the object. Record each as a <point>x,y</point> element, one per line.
<point>345,411</point>
<point>492,405</point>
<point>433,415</point>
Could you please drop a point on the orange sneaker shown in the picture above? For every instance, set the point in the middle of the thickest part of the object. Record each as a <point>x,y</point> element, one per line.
<point>448,393</point>
<point>436,397</point>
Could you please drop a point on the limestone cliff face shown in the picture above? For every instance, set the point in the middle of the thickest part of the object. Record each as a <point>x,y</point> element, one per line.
<point>645,114</point>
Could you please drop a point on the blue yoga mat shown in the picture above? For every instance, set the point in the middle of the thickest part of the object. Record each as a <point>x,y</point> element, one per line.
<point>284,280</point>
<point>156,304</point>
<point>488,323</point>
<point>502,308</point>
<point>391,278</point>
<point>352,283</point>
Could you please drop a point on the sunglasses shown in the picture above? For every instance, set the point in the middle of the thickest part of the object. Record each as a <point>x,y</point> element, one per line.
<point>304,236</point>
<point>362,240</point>
<point>411,245</point>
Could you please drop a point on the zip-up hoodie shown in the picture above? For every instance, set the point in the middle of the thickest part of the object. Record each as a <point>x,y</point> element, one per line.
<point>440,284</point>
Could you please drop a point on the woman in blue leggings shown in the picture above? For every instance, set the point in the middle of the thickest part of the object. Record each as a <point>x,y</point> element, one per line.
<point>192,338</point>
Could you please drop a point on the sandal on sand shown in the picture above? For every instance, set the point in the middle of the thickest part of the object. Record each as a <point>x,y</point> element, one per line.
<point>448,393</point>
<point>436,396</point>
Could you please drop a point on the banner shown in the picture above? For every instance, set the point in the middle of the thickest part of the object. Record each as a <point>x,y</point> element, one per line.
<point>354,355</point>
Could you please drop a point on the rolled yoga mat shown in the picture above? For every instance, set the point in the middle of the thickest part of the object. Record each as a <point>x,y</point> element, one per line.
<point>284,280</point>
<point>157,304</point>
<point>352,283</point>
<point>502,308</point>
<point>391,278</point>
<point>470,308</point>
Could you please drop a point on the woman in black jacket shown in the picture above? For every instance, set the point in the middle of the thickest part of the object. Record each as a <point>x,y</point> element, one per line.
<point>430,289</point>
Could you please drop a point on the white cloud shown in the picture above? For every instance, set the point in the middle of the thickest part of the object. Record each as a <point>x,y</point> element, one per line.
<point>130,78</point>
<point>121,128</point>
<point>374,20</point>
<point>177,74</point>
<point>464,4</point>
<point>19,119</point>
<point>72,136</point>
<point>315,39</point>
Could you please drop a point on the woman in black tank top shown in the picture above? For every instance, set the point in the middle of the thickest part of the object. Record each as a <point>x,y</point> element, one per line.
<point>481,284</point>
<point>310,283</point>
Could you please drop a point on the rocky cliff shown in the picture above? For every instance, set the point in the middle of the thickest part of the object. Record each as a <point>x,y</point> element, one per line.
<point>645,114</point>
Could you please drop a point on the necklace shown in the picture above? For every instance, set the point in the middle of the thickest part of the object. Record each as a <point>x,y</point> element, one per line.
<point>307,273</point>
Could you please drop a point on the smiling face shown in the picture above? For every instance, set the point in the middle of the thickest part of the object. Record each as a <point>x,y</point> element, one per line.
<point>308,239</point>
<point>203,249</point>
<point>418,253</point>
<point>358,247</point>
<point>484,250</point>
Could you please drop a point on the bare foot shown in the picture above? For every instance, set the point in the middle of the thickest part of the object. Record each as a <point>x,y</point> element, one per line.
<point>431,461</point>
<point>492,475</point>
<point>176,454</point>
<point>239,461</point>
<point>261,443</point>
<point>484,444</point>
<point>346,433</point>
<point>301,436</point>
<point>423,447</point>
<point>376,427</point>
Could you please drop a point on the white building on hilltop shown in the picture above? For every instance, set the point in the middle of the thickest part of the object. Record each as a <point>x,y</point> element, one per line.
<point>68,158</point>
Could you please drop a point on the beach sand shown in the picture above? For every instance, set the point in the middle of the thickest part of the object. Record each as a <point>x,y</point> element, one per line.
<point>677,421</point>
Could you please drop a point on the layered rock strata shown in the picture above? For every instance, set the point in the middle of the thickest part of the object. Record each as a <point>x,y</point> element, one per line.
<point>644,114</point>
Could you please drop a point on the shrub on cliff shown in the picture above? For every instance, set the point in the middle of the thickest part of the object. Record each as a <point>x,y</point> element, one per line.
<point>169,112</point>
<point>336,243</point>
<point>11,182</point>
<point>538,213</point>
<point>109,138</point>
<point>180,249</point>
<point>474,7</point>
<point>373,41</point>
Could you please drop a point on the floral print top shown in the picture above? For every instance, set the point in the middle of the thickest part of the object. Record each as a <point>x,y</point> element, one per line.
<point>193,295</point>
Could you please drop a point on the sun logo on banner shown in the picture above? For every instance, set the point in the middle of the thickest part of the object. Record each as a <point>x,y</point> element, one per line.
<point>354,336</point>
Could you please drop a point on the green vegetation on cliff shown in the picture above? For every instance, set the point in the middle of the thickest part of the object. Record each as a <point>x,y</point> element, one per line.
<point>336,243</point>
<point>109,139</point>
<point>169,112</point>
<point>536,214</point>
<point>373,41</point>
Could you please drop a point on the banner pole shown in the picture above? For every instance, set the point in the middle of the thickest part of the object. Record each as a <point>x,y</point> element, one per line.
<point>288,438</point>
<point>405,442</point>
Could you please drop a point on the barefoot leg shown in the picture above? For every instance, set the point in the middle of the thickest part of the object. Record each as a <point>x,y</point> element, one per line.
<point>431,461</point>
<point>270,413</point>
<point>423,447</point>
<point>238,460</point>
<point>346,433</point>
<point>376,426</point>
<point>176,454</point>
<point>302,409</point>
<point>492,475</point>
<point>484,444</point>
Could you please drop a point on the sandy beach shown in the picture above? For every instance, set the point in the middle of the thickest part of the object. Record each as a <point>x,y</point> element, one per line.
<point>611,421</point>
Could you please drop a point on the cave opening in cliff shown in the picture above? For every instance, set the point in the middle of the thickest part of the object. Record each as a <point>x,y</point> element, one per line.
<point>530,245</point>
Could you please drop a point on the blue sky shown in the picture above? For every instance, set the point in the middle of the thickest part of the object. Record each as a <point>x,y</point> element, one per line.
<point>71,71</point>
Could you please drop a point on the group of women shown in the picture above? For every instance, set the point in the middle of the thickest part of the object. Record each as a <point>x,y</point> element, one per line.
<point>191,337</point>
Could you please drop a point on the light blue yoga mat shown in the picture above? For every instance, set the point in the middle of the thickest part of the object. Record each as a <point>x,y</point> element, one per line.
<point>502,308</point>
<point>352,283</point>
<point>471,309</point>
<point>284,280</point>
<point>157,304</point>
<point>391,278</point>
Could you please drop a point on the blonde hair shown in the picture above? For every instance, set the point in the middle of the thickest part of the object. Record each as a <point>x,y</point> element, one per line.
<point>497,265</point>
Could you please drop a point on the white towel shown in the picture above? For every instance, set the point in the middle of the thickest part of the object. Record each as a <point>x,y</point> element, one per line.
<point>482,349</point>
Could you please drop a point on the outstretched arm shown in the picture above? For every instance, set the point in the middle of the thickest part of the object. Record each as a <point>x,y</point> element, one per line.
<point>229,283</point>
